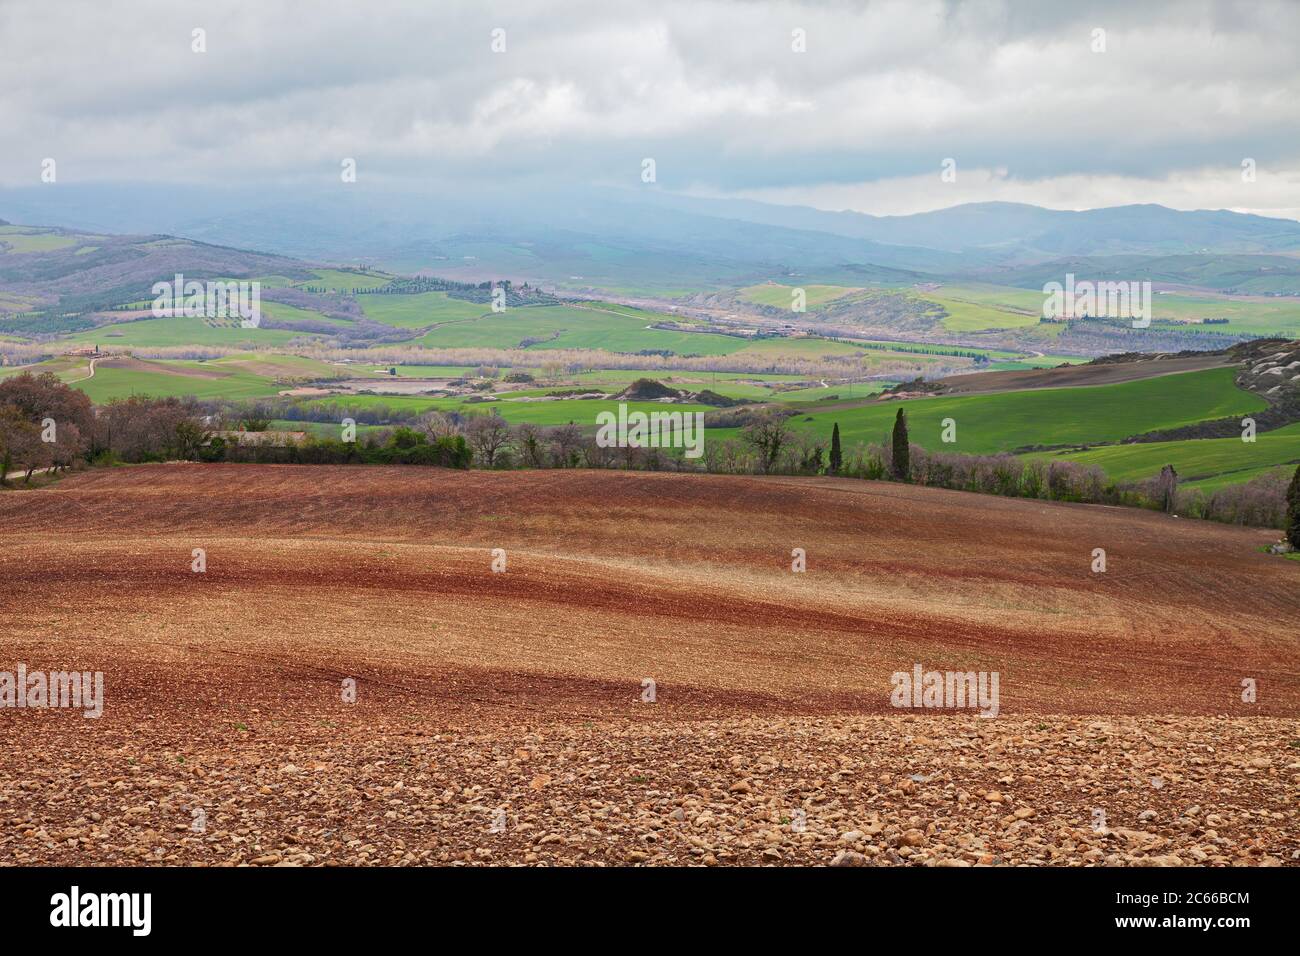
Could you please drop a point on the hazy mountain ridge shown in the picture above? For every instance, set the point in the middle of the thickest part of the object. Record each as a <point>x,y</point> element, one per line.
<point>1221,272</point>
<point>662,242</point>
<point>90,271</point>
<point>999,227</point>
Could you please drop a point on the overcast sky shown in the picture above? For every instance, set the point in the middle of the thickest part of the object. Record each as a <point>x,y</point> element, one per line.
<point>1014,93</point>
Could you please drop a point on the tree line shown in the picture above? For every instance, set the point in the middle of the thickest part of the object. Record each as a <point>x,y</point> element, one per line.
<point>47,424</point>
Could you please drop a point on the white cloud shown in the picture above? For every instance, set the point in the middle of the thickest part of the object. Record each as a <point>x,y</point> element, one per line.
<point>710,88</point>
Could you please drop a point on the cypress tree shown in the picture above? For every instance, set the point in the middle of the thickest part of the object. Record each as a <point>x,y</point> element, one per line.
<point>1293,511</point>
<point>837,456</point>
<point>1168,488</point>
<point>902,464</point>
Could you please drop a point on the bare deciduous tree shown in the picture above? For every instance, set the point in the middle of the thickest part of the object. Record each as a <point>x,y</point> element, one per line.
<point>487,434</point>
<point>567,445</point>
<point>437,425</point>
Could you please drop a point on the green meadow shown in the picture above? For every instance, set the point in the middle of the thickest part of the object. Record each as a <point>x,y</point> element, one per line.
<point>974,317</point>
<point>180,331</point>
<point>111,383</point>
<point>810,348</point>
<point>1214,483</point>
<point>1194,460</point>
<point>420,311</point>
<point>1251,315</point>
<point>582,412</point>
<point>19,242</point>
<point>571,327</point>
<point>1060,416</point>
<point>694,381</point>
<point>291,313</point>
<point>240,376</point>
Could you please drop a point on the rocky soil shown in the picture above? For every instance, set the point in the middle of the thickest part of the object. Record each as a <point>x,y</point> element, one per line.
<point>384,783</point>
<point>499,718</point>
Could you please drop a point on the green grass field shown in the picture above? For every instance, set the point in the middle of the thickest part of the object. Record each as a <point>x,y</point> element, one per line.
<point>1245,314</point>
<point>1000,297</point>
<point>21,239</point>
<point>419,311</point>
<point>845,392</point>
<point>809,348</point>
<point>970,308</point>
<point>68,368</point>
<point>1213,484</point>
<point>1218,459</point>
<point>1010,420</point>
<point>694,380</point>
<point>111,383</point>
<point>582,412</point>
<point>974,317</point>
<point>180,331</point>
<point>242,376</point>
<point>647,316</point>
<point>1252,315</point>
<point>291,313</point>
<point>272,366</point>
<point>569,327</point>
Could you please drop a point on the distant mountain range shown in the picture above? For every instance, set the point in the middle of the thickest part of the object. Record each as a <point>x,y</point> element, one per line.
<point>1009,231</point>
<point>628,239</point>
<point>77,272</point>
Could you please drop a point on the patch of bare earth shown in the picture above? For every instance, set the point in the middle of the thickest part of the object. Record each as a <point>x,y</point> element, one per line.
<point>515,699</point>
<point>1072,376</point>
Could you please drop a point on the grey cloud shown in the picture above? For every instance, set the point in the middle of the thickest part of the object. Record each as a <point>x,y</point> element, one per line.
<point>710,89</point>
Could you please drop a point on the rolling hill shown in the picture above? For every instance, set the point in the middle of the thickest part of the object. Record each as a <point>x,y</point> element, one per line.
<point>627,239</point>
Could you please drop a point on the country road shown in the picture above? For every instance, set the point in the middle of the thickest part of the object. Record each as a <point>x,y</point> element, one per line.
<point>90,374</point>
<point>23,474</point>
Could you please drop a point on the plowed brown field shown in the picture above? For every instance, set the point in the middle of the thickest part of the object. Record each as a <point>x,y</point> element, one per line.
<point>521,691</point>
